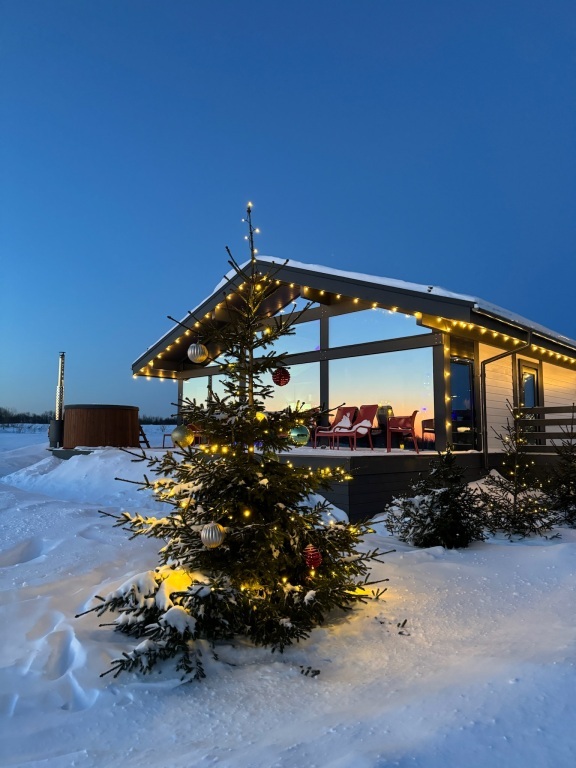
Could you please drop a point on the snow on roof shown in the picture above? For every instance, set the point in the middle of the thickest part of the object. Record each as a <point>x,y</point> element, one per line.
<point>493,309</point>
<point>387,282</point>
<point>478,304</point>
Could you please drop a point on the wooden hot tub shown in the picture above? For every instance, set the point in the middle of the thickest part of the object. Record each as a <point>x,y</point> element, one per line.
<point>99,425</point>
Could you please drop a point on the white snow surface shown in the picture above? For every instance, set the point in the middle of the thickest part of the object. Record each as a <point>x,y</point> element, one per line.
<point>482,673</point>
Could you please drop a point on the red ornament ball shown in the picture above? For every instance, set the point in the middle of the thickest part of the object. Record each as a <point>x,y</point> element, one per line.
<point>281,377</point>
<point>312,556</point>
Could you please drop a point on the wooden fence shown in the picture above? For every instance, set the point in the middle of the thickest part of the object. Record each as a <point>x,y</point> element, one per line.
<point>542,428</point>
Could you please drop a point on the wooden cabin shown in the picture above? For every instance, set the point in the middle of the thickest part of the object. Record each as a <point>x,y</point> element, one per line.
<point>457,360</point>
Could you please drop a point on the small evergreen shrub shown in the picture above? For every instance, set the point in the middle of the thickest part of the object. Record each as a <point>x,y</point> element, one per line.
<point>514,497</point>
<point>441,509</point>
<point>560,483</point>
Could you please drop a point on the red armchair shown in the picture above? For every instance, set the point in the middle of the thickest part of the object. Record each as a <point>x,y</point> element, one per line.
<point>343,419</point>
<point>361,427</point>
<point>403,425</point>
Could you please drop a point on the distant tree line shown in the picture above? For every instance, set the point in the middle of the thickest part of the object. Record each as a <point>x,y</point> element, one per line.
<point>11,416</point>
<point>157,419</point>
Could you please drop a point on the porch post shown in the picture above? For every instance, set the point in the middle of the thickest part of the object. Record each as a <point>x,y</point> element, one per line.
<point>324,364</point>
<point>180,397</point>
<point>442,393</point>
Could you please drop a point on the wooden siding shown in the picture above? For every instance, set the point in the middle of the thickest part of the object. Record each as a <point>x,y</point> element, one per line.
<point>559,388</point>
<point>559,385</point>
<point>101,425</point>
<point>499,392</point>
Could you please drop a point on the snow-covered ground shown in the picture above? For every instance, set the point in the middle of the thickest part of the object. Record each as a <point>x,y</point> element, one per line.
<point>482,674</point>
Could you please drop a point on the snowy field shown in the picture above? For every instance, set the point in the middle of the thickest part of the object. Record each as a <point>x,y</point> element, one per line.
<point>482,674</point>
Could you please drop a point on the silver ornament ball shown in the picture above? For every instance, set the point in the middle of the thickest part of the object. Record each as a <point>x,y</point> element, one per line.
<point>212,535</point>
<point>197,353</point>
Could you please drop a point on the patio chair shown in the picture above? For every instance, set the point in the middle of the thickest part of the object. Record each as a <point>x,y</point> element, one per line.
<point>342,420</point>
<point>403,425</point>
<point>427,430</point>
<point>361,427</point>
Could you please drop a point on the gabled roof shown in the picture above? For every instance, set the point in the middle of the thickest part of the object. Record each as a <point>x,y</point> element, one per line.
<point>434,306</point>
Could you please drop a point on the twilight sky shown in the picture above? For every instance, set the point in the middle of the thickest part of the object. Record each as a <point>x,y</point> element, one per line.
<point>433,142</point>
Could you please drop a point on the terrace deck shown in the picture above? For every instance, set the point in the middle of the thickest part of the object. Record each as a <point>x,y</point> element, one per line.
<point>379,476</point>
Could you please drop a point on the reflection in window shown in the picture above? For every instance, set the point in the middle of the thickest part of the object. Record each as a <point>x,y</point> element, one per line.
<point>305,339</point>
<point>372,325</point>
<point>402,380</point>
<point>299,303</point>
<point>197,389</point>
<point>528,386</point>
<point>303,388</point>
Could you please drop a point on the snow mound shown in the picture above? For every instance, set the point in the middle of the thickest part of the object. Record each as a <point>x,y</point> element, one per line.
<point>88,478</point>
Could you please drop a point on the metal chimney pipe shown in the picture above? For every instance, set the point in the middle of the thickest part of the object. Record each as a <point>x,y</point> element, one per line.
<point>60,388</point>
<point>56,430</point>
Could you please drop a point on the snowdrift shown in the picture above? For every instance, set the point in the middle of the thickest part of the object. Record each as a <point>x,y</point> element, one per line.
<point>469,659</point>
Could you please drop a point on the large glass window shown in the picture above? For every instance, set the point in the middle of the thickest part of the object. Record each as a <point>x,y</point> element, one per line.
<point>401,380</point>
<point>303,388</point>
<point>299,303</point>
<point>372,325</point>
<point>198,388</point>
<point>528,386</point>
<point>306,338</point>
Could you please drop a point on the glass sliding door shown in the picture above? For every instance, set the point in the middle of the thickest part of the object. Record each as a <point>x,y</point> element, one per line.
<point>462,407</point>
<point>529,395</point>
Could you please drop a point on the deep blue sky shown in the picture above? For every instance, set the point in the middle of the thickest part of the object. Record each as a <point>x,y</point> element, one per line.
<point>429,141</point>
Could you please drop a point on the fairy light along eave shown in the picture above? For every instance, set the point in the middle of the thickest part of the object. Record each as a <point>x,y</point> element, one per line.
<point>476,319</point>
<point>503,335</point>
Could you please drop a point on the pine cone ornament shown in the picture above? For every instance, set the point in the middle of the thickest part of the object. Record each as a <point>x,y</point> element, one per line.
<point>312,556</point>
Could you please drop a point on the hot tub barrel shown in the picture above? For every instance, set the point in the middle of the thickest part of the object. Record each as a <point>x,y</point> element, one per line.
<point>99,425</point>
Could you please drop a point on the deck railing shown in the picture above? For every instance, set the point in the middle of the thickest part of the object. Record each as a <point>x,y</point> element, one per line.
<point>544,427</point>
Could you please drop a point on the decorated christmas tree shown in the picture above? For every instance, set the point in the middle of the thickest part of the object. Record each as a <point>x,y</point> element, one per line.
<point>514,496</point>
<point>440,509</point>
<point>248,548</point>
